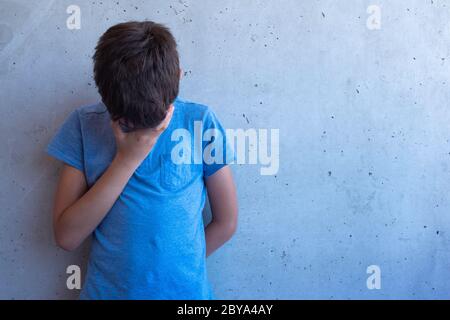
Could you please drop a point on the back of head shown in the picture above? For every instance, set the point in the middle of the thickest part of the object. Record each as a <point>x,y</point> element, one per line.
<point>137,72</point>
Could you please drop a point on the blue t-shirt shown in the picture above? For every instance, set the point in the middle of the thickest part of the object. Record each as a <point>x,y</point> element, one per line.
<point>151,244</point>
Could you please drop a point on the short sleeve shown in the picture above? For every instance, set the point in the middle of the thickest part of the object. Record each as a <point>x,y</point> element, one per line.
<point>67,144</point>
<point>217,150</point>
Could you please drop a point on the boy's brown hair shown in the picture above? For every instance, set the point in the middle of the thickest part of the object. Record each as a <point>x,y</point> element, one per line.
<point>137,72</point>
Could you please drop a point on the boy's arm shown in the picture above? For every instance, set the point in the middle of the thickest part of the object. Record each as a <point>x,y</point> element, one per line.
<point>224,208</point>
<point>76,212</point>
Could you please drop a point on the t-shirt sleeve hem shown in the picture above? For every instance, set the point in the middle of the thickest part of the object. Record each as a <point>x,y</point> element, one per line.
<point>213,169</point>
<point>57,154</point>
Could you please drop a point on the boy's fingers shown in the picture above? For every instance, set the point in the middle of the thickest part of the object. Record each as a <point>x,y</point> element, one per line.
<point>163,126</point>
<point>116,128</point>
<point>145,132</point>
<point>114,125</point>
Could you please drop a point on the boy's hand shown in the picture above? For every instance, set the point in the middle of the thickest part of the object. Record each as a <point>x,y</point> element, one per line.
<point>133,147</point>
<point>78,209</point>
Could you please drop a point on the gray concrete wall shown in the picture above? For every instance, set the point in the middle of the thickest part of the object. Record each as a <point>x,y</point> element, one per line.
<point>363,113</point>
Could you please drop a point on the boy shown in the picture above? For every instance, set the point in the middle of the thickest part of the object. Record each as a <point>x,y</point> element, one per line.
<point>120,181</point>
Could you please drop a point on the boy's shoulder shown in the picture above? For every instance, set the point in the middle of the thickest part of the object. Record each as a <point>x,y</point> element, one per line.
<point>190,105</point>
<point>193,110</point>
<point>190,110</point>
<point>92,109</point>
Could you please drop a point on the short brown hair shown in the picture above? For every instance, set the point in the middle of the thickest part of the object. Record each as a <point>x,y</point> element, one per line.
<point>137,72</point>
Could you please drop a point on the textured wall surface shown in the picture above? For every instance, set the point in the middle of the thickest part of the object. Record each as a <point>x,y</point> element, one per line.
<point>364,121</point>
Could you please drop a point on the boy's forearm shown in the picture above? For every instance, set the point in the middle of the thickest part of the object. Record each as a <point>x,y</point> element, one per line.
<point>224,207</point>
<point>217,234</point>
<point>79,220</point>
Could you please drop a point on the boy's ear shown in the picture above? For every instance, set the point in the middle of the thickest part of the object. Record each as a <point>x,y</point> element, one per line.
<point>181,74</point>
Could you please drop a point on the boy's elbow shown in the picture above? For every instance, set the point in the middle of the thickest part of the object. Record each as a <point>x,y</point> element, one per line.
<point>65,243</point>
<point>230,232</point>
<point>227,228</point>
<point>231,226</point>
